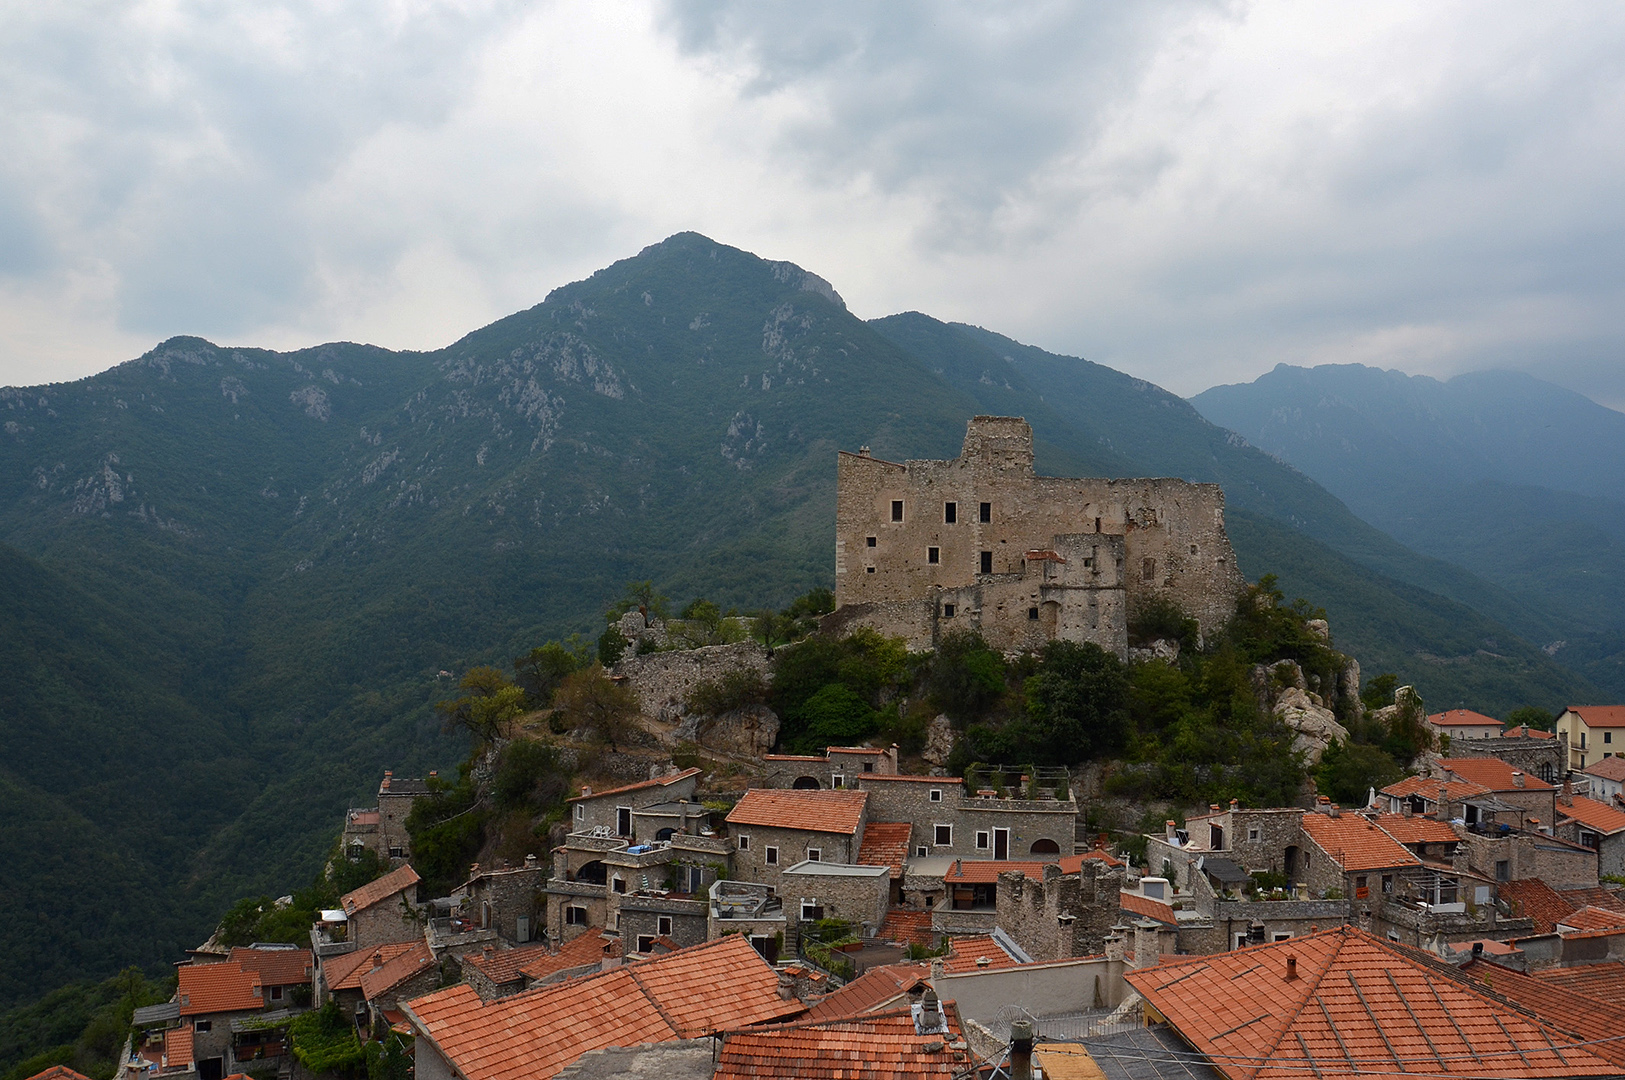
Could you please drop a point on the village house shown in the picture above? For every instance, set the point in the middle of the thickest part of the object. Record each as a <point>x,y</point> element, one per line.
<point>1593,732</point>
<point>1607,778</point>
<point>287,973</point>
<point>226,1025</point>
<point>1595,825</point>
<point>1464,724</point>
<point>775,829</point>
<point>983,543</point>
<point>814,890</point>
<point>381,829</point>
<point>386,984</point>
<point>921,1040</point>
<point>495,972</point>
<point>837,767</point>
<point>384,911</point>
<point>610,813</point>
<point>1507,785</point>
<point>338,977</point>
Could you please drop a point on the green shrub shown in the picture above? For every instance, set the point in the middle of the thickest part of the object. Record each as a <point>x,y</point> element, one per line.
<point>735,690</point>
<point>325,1041</point>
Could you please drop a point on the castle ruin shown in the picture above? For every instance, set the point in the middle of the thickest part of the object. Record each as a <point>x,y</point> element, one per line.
<point>983,543</point>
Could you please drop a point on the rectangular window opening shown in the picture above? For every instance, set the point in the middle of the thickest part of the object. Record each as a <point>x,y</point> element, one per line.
<point>987,562</point>
<point>837,781</point>
<point>897,509</point>
<point>815,854</point>
<point>1032,614</point>
<point>663,925</point>
<point>933,555</point>
<point>981,841</point>
<point>985,512</point>
<point>646,943</point>
<point>869,540</point>
<point>950,513</point>
<point>947,611</point>
<point>868,569</point>
<point>771,856</point>
<point>944,836</point>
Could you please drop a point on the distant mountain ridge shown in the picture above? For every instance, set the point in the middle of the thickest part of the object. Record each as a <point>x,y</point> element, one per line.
<point>1515,480</point>
<point>285,549</point>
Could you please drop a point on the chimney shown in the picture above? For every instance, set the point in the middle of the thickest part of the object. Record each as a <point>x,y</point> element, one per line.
<point>1443,810</point>
<point>787,986</point>
<point>1213,807</point>
<point>1336,810</point>
<point>1291,966</point>
<point>1169,832</point>
<point>434,774</point>
<point>928,1015</point>
<point>377,961</point>
<point>585,791</point>
<point>939,967</point>
<point>863,451</point>
<point>530,862</point>
<point>1235,804</point>
<point>385,785</point>
<point>1405,809</point>
<point>1114,946</point>
<point>1517,778</point>
<point>1021,1050</point>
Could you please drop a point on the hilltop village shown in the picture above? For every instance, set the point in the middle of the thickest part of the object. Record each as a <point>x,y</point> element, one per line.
<point>707,907</point>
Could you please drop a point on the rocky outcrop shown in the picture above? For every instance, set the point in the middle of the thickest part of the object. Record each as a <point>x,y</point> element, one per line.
<point>1162,649</point>
<point>1314,726</point>
<point>939,740</point>
<point>748,732</point>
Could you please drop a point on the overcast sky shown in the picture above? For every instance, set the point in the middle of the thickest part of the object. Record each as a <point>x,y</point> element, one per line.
<point>1189,192</point>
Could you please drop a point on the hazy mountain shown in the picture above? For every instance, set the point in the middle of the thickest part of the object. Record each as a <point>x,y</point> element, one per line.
<point>238,573</point>
<point>1514,479</point>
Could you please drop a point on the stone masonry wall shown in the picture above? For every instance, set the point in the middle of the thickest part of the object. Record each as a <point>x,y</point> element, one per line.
<point>1109,546</point>
<point>860,900</point>
<point>1540,758</point>
<point>385,922</point>
<point>1029,820</point>
<point>500,898</point>
<point>750,863</point>
<point>642,915</point>
<point>1060,915</point>
<point>664,680</point>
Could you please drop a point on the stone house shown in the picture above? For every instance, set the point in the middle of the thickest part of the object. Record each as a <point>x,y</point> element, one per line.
<point>338,977</point>
<point>828,890</point>
<point>610,813</point>
<point>381,829</point>
<point>223,1008</point>
<point>837,767</point>
<point>1509,785</point>
<point>947,821</point>
<point>286,973</point>
<point>1538,753</point>
<point>1607,778</point>
<point>1057,913</point>
<point>750,910</point>
<point>384,911</point>
<point>645,918</point>
<point>1464,724</point>
<point>1523,855</point>
<point>510,900</point>
<point>773,830</point>
<point>386,984</point>
<point>1594,825</point>
<point>496,972</point>
<point>983,543</point>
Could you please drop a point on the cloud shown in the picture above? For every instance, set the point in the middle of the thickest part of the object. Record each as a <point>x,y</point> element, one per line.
<point>1192,192</point>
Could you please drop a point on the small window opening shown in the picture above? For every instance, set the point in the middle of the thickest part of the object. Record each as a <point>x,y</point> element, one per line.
<point>985,512</point>
<point>815,854</point>
<point>1148,569</point>
<point>933,555</point>
<point>981,841</point>
<point>987,562</point>
<point>947,611</point>
<point>936,794</point>
<point>868,569</point>
<point>869,540</point>
<point>1032,614</point>
<point>944,836</point>
<point>950,513</point>
<point>868,766</point>
<point>663,925</point>
<point>771,856</point>
<point>897,509</point>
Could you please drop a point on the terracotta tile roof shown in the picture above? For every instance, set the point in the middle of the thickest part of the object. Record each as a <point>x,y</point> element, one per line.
<point>178,1047</point>
<point>717,986</point>
<point>793,757</point>
<point>586,948</point>
<point>1599,982</point>
<point>907,926</point>
<point>503,965</point>
<point>277,967</point>
<point>376,981</point>
<point>1584,1017</point>
<point>1594,815</point>
<point>977,952</point>
<point>1356,1006</point>
<point>1492,773</point>
<point>1071,864</point>
<point>1534,899</point>
<point>222,987</point>
<point>885,843</point>
<point>1428,788</point>
<point>344,972</point>
<point>987,871</point>
<point>1355,843</point>
<point>1524,731</point>
<point>877,988</point>
<point>659,781</point>
<point>1611,767</point>
<point>876,1045</point>
<point>1595,895</point>
<point>1146,907</point>
<point>853,750</point>
<point>1463,718</point>
<point>1600,715</point>
<point>382,889</point>
<point>810,811</point>
<point>1592,918</point>
<point>1485,946</point>
<point>1417,829</point>
<point>61,1072</point>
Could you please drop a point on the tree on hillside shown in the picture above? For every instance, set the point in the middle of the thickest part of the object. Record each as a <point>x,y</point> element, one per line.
<point>1077,703</point>
<point>590,699</point>
<point>966,677</point>
<point>1535,717</point>
<point>540,671</point>
<point>487,703</point>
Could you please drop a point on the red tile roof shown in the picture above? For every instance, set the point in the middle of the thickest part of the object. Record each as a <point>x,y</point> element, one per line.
<point>222,987</point>
<point>1463,718</point>
<point>1146,907</point>
<point>382,889</point>
<point>907,926</point>
<point>1595,895</point>
<point>59,1072</point>
<point>1611,767</point>
<point>277,967</point>
<point>853,750</point>
<point>1596,1021</point>
<point>1524,731</point>
<point>1594,815</point>
<point>1428,789</point>
<point>698,991</point>
<point>1071,864</point>
<point>178,1047</point>
<point>1492,773</point>
<point>810,811</point>
<point>380,980</point>
<point>586,948</point>
<point>1599,982</point>
<point>503,965</point>
<point>1534,899</point>
<point>1352,1005</point>
<point>1600,715</point>
<point>885,843</point>
<point>1355,843</point>
<point>877,988</point>
<point>659,781</point>
<point>1592,918</point>
<point>343,972</point>
<point>1417,829</point>
<point>874,1045</point>
<point>987,871</point>
<point>976,952</point>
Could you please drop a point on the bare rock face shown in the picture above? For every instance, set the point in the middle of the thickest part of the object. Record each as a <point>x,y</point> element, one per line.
<point>939,740</point>
<point>749,732</point>
<point>1161,649</point>
<point>1314,726</point>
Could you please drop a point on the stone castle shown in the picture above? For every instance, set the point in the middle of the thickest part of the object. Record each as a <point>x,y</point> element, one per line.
<point>982,543</point>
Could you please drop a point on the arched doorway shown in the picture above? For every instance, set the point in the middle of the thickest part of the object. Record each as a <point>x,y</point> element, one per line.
<point>1045,847</point>
<point>593,873</point>
<point>665,834</point>
<point>805,783</point>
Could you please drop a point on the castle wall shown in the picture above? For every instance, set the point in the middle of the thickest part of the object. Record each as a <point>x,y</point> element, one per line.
<point>982,542</point>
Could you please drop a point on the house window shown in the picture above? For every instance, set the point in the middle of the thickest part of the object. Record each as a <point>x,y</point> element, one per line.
<point>950,513</point>
<point>581,812</point>
<point>947,611</point>
<point>203,1026</point>
<point>1503,870</point>
<point>1148,569</point>
<point>1387,884</point>
<point>1281,936</point>
<point>981,841</point>
<point>623,821</point>
<point>985,512</point>
<point>1241,941</point>
<point>1032,614</point>
<point>936,794</point>
<point>897,509</point>
<point>868,569</point>
<point>1361,889</point>
<point>618,884</point>
<point>663,925</point>
<point>276,993</point>
<point>396,853</point>
<point>987,562</point>
<point>837,781</point>
<point>868,766</point>
<point>1252,834</point>
<point>744,841</point>
<point>1608,737</point>
<point>869,540</point>
<point>575,916</point>
<point>933,555</point>
<point>810,910</point>
<point>944,835</point>
<point>770,855</point>
<point>815,854</point>
<point>646,943</point>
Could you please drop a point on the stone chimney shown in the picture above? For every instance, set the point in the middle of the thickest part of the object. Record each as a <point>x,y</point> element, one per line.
<point>1170,832</point>
<point>377,961</point>
<point>1235,804</point>
<point>385,785</point>
<point>1568,792</point>
<point>863,451</point>
<point>1145,944</point>
<point>585,791</point>
<point>787,986</point>
<point>1517,778</point>
<point>1405,808</point>
<point>530,862</point>
<point>1115,945</point>
<point>1442,811</point>
<point>1336,810</point>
